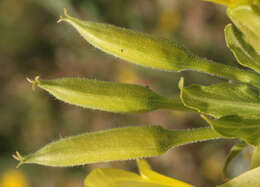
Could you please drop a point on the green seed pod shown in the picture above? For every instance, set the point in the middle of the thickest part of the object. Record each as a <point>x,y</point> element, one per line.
<point>154,52</point>
<point>142,49</point>
<point>246,17</point>
<point>107,96</point>
<point>114,144</point>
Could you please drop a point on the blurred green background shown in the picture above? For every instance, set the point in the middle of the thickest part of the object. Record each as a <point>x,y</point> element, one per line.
<point>32,43</point>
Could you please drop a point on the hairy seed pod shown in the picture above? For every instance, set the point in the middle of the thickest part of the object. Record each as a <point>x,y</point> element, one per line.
<point>114,144</point>
<point>151,51</point>
<point>139,48</point>
<point>107,96</point>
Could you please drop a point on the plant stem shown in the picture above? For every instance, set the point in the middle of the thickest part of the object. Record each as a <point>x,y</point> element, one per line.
<point>173,103</point>
<point>182,137</point>
<point>255,161</point>
<point>226,71</point>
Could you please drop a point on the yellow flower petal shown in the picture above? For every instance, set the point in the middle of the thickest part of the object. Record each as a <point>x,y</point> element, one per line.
<point>13,178</point>
<point>109,177</point>
<point>231,2</point>
<point>148,174</point>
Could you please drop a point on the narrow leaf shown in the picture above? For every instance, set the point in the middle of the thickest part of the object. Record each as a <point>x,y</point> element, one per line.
<point>151,51</point>
<point>245,54</point>
<point>115,144</point>
<point>222,99</point>
<point>247,20</point>
<point>107,96</point>
<point>255,161</point>
<point>234,152</point>
<point>250,178</point>
<point>237,127</point>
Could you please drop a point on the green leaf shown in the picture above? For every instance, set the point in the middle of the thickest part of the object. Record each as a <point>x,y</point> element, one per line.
<point>250,178</point>
<point>108,177</point>
<point>247,20</point>
<point>154,52</point>
<point>107,96</point>
<point>255,160</point>
<point>222,99</point>
<point>234,152</point>
<point>114,144</point>
<point>237,127</point>
<point>242,50</point>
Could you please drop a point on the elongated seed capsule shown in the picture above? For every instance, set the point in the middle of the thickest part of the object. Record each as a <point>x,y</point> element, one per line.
<point>107,96</point>
<point>114,144</point>
<point>154,52</point>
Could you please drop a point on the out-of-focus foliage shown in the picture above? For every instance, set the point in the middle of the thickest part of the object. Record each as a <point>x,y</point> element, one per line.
<point>234,152</point>
<point>249,178</point>
<point>32,44</point>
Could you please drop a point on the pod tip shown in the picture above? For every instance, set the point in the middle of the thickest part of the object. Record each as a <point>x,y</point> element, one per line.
<point>66,12</point>
<point>63,18</point>
<point>33,82</point>
<point>181,83</point>
<point>18,157</point>
<point>60,19</point>
<point>205,118</point>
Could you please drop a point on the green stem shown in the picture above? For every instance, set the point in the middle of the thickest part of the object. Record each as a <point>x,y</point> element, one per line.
<point>182,137</point>
<point>255,161</point>
<point>173,103</point>
<point>226,71</point>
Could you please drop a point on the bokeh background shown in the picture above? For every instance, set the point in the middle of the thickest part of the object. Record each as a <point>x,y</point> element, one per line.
<point>32,43</point>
